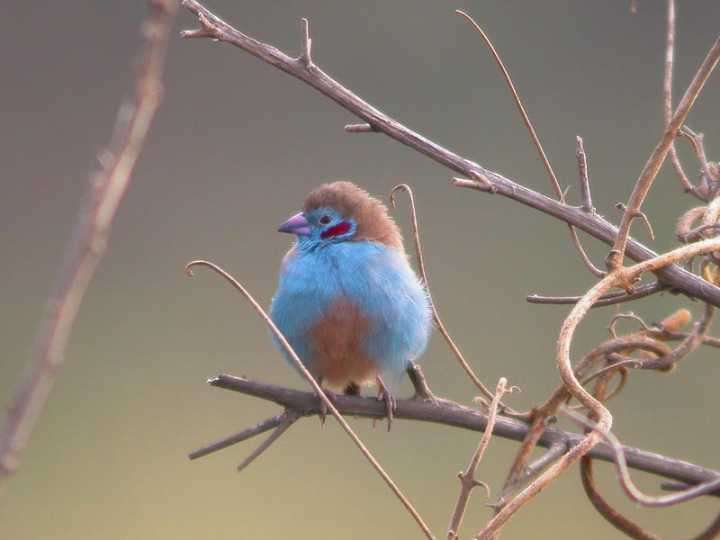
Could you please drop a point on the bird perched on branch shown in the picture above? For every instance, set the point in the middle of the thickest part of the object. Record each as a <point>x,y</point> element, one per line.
<point>348,301</point>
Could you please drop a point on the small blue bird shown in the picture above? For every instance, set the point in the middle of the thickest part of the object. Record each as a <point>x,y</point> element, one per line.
<point>347,299</point>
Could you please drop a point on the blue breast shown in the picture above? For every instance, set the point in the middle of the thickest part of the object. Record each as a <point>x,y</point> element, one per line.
<point>375,278</point>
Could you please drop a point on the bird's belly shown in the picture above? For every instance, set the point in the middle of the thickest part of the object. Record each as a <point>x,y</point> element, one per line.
<point>336,344</point>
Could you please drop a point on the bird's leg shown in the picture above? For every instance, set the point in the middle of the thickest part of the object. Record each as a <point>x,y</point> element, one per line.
<point>352,389</point>
<point>323,408</point>
<point>417,378</point>
<point>390,402</point>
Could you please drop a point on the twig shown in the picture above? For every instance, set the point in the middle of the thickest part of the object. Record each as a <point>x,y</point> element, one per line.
<point>436,316</point>
<point>452,414</point>
<point>555,184</point>
<point>323,83</point>
<point>641,215</point>
<point>587,203</point>
<point>262,427</point>
<point>667,97</point>
<point>90,237</point>
<point>289,419</point>
<point>552,453</point>
<point>306,55</point>
<point>319,391</point>
<point>612,326</point>
<point>710,173</point>
<point>606,300</point>
<point>467,478</point>
<point>360,128</point>
<point>655,161</point>
<point>518,102</point>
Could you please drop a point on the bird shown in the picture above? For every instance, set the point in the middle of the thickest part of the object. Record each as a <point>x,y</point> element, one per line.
<point>348,301</point>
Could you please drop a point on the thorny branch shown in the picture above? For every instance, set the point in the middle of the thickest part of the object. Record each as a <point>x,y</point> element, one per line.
<point>90,237</point>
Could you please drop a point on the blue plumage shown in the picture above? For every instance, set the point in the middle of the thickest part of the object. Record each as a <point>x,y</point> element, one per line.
<point>347,300</point>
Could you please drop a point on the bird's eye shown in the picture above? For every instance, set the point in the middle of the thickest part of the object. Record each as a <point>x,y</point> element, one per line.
<point>325,220</point>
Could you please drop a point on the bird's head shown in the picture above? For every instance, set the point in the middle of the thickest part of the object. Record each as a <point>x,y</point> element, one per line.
<point>339,212</point>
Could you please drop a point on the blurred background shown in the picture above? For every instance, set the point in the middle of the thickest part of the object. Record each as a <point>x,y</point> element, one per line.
<point>234,149</point>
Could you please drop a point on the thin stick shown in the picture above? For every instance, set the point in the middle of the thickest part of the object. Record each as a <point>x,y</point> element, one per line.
<point>534,136</point>
<point>308,377</point>
<point>261,427</point>
<point>667,96</point>
<point>90,238</point>
<point>467,478</point>
<point>436,316</point>
<point>452,414</point>
<point>289,419</point>
<point>606,300</point>
<point>712,174</point>
<point>656,159</point>
<point>587,203</point>
<point>306,55</point>
<point>552,453</point>
<point>518,102</point>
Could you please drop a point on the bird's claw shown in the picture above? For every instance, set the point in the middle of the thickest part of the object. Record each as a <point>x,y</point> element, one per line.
<point>323,406</point>
<point>390,402</point>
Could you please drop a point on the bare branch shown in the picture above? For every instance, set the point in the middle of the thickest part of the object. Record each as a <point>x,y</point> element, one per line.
<point>487,394</point>
<point>262,427</point>
<point>360,128</point>
<point>605,300</point>
<point>467,478</point>
<point>553,453</point>
<point>667,95</point>
<point>306,55</point>
<point>535,139</point>
<point>710,173</point>
<point>453,414</point>
<point>318,79</point>
<point>587,203</point>
<point>290,417</point>
<point>655,161</point>
<point>518,102</point>
<point>90,238</point>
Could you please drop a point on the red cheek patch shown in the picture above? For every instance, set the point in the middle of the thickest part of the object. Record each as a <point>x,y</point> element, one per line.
<point>341,228</point>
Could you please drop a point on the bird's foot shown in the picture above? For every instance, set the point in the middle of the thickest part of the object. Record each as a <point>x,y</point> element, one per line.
<point>323,406</point>
<point>390,401</point>
<point>422,390</point>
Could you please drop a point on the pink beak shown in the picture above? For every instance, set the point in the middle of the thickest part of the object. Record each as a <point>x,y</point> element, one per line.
<point>297,224</point>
